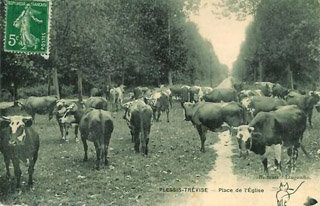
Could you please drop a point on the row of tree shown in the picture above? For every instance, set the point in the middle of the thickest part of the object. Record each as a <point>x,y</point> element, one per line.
<point>282,42</point>
<point>137,42</point>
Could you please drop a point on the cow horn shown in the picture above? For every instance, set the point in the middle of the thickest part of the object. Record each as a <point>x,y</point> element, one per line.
<point>6,118</point>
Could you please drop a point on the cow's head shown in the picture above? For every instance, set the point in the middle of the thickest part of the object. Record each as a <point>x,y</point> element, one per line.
<point>68,116</point>
<point>60,107</point>
<point>243,134</point>
<point>17,126</point>
<point>246,103</point>
<point>188,109</point>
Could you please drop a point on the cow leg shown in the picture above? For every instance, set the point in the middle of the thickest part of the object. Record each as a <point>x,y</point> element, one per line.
<point>85,147</point>
<point>76,129</point>
<point>132,136</point>
<point>265,165</point>
<point>105,148</point>
<point>159,113</point>
<point>17,171</point>
<point>154,115</point>
<point>66,130</point>
<point>167,111</point>
<point>30,171</point>
<point>202,132</point>
<point>290,154</point>
<point>31,166</point>
<point>136,141</point>
<point>277,161</point>
<point>97,145</point>
<point>146,134</point>
<point>7,163</point>
<point>309,114</point>
<point>294,157</point>
<point>61,127</point>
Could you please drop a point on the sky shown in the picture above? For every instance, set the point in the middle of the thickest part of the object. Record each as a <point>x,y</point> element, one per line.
<point>226,35</point>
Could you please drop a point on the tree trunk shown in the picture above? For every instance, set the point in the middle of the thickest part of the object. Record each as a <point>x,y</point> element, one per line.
<point>260,71</point>
<point>211,78</point>
<point>254,74</point>
<point>56,82</point>
<point>1,44</point>
<point>170,77</point>
<point>109,80</point>
<point>79,73</point>
<point>122,78</point>
<point>123,73</point>
<point>49,82</point>
<point>290,76</point>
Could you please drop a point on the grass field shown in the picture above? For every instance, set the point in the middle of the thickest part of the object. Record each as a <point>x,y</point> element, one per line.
<point>252,166</point>
<point>62,178</point>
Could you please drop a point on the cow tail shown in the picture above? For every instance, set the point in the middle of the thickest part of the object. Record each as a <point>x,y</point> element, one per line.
<point>103,125</point>
<point>141,130</point>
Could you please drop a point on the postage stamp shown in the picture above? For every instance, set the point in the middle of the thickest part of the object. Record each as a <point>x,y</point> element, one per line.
<point>27,27</point>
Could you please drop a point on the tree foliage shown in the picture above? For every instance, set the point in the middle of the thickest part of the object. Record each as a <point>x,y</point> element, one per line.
<point>284,38</point>
<point>113,42</point>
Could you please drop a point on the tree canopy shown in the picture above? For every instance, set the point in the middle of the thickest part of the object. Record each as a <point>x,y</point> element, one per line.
<point>283,40</point>
<point>121,42</point>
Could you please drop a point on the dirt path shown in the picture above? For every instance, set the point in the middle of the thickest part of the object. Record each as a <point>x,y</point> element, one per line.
<point>226,83</point>
<point>257,192</point>
<point>221,174</point>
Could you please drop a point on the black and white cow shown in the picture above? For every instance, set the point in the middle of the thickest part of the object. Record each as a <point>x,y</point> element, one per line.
<point>268,132</point>
<point>60,109</point>
<point>19,142</point>
<point>159,102</point>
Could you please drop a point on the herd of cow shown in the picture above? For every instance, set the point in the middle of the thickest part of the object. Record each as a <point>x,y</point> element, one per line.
<point>263,120</point>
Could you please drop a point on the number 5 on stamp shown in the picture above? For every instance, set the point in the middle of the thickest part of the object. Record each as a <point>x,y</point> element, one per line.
<point>27,26</point>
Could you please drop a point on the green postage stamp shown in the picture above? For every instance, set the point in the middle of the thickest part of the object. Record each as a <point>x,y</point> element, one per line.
<point>27,26</point>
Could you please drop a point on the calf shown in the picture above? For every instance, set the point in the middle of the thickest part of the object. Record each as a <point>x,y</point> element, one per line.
<point>19,142</point>
<point>159,102</point>
<point>211,116</point>
<point>116,96</point>
<point>96,126</point>
<point>270,131</point>
<point>139,116</point>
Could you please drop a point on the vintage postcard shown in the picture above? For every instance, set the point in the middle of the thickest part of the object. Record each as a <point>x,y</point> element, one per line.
<point>159,102</point>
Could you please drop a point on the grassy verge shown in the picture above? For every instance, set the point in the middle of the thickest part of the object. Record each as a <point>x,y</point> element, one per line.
<point>62,178</point>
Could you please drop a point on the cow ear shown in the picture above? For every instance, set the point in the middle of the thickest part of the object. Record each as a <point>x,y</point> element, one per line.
<point>4,121</point>
<point>251,129</point>
<point>27,121</point>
